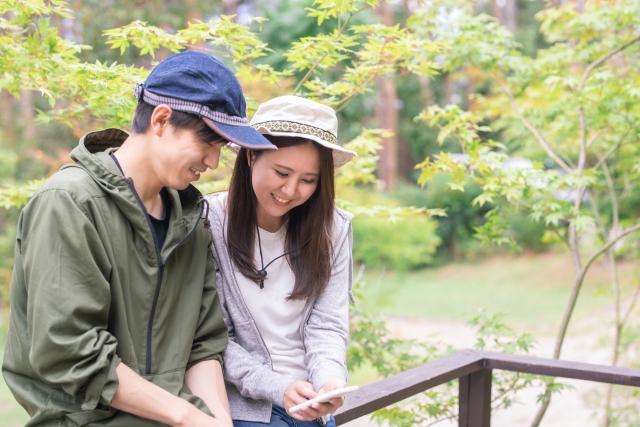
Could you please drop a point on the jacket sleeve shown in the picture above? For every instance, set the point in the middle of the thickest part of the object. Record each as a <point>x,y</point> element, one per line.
<point>211,336</point>
<point>66,271</point>
<point>327,329</point>
<point>253,378</point>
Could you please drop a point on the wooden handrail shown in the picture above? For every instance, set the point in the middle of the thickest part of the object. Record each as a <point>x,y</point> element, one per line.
<point>474,368</point>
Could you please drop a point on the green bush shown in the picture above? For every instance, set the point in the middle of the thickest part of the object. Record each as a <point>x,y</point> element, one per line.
<point>407,244</point>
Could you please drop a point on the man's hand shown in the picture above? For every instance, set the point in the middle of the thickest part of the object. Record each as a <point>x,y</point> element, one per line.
<point>204,379</point>
<point>196,418</point>
<point>333,404</point>
<point>299,392</point>
<point>140,397</point>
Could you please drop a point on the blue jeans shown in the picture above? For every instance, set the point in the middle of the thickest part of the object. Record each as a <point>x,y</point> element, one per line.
<point>280,418</point>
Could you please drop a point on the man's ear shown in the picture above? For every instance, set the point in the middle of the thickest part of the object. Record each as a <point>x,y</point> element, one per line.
<point>160,119</point>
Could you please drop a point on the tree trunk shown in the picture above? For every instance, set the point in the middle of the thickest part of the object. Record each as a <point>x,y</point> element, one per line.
<point>28,113</point>
<point>506,11</point>
<point>387,117</point>
<point>7,116</point>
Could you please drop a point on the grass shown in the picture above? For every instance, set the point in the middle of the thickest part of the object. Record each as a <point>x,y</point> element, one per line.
<point>532,290</point>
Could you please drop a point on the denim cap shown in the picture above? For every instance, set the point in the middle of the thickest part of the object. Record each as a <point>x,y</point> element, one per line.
<point>197,83</point>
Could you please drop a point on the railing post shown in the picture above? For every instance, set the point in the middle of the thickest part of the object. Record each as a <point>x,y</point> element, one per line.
<point>475,399</point>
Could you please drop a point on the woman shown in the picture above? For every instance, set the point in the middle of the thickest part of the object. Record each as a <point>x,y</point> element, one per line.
<point>283,256</point>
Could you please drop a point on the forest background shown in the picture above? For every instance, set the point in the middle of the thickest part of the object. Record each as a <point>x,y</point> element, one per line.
<point>493,136</point>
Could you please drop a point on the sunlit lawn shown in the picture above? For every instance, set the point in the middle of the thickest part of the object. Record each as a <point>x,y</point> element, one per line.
<point>531,289</point>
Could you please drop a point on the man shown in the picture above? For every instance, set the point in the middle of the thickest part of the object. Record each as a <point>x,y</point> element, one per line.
<point>115,319</point>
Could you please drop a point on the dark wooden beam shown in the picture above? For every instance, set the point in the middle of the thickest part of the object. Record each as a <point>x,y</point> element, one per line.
<point>561,368</point>
<point>475,399</point>
<point>391,390</point>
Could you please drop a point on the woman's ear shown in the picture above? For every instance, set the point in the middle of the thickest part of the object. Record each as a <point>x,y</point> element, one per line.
<point>251,157</point>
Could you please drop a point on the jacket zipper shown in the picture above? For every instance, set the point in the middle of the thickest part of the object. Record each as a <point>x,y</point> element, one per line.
<point>161,265</point>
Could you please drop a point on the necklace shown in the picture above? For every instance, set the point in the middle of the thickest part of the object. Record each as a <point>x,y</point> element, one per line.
<point>263,272</point>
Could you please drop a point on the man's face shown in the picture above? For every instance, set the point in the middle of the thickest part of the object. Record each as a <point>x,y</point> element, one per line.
<point>182,157</point>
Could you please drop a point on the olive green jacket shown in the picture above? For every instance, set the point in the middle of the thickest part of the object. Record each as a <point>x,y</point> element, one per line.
<point>90,290</point>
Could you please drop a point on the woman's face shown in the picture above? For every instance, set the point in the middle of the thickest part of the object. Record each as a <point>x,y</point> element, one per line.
<point>282,180</point>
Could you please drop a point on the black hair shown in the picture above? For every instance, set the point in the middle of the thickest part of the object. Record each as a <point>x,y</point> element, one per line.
<point>178,119</point>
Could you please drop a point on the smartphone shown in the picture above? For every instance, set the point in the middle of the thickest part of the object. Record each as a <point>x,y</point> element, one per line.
<point>324,398</point>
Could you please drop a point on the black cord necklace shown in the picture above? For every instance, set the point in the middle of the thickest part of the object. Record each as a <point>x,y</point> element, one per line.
<point>263,271</point>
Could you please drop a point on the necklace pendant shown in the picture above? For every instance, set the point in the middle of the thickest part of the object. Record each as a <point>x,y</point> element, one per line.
<point>262,273</point>
<point>261,284</point>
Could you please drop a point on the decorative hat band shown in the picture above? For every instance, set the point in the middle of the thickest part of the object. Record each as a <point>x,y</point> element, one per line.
<point>188,107</point>
<point>294,127</point>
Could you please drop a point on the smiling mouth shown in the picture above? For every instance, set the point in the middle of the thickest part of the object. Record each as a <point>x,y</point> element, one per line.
<point>195,172</point>
<point>280,200</point>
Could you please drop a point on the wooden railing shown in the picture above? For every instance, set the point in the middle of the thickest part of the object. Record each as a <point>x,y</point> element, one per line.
<point>474,369</point>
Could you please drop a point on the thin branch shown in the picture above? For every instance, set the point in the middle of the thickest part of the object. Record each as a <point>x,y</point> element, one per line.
<point>344,102</point>
<point>607,155</point>
<point>602,59</point>
<point>582,158</point>
<point>608,245</point>
<point>619,144</point>
<point>594,137</point>
<point>577,285</point>
<point>353,93</point>
<point>511,388</point>
<point>450,417</point>
<point>615,206</point>
<point>597,216</point>
<point>314,66</point>
<point>627,187</point>
<point>532,129</point>
<point>561,237</point>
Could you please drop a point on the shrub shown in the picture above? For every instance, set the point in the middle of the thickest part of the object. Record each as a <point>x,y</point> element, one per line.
<point>407,244</point>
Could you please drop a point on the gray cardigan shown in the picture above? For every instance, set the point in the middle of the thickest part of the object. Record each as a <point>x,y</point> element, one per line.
<point>252,386</point>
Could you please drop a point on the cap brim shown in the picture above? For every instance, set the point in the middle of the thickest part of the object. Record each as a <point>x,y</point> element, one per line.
<point>244,136</point>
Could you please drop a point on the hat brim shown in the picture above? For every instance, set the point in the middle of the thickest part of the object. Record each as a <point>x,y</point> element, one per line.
<point>341,156</point>
<point>244,136</point>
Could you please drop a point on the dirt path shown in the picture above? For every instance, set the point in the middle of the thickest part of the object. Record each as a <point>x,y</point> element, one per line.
<point>566,410</point>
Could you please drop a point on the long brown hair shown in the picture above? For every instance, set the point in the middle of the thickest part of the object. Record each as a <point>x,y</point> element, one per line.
<point>313,219</point>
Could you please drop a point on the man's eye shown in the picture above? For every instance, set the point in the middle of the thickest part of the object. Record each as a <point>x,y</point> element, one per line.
<point>280,173</point>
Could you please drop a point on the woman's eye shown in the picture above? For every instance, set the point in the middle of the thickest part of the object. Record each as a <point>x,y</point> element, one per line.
<point>280,173</point>
<point>308,181</point>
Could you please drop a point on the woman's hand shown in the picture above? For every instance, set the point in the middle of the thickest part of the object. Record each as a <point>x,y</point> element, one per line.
<point>299,392</point>
<point>333,404</point>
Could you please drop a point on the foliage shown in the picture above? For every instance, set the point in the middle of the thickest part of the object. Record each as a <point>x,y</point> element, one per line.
<point>406,244</point>
<point>370,343</point>
<point>574,104</point>
<point>18,196</point>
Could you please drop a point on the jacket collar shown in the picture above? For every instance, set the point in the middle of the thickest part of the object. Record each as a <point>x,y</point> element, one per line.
<point>92,154</point>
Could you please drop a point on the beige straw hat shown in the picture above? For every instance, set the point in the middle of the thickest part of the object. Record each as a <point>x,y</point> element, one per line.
<point>296,116</point>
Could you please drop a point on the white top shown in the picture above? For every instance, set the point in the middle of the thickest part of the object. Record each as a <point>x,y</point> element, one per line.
<point>278,320</point>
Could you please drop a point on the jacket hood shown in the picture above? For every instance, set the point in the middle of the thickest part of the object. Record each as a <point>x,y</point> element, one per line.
<point>93,155</point>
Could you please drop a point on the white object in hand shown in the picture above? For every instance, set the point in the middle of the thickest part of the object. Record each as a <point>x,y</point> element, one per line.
<point>324,398</point>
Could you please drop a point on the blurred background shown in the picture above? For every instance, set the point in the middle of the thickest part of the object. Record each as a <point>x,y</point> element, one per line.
<point>425,276</point>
